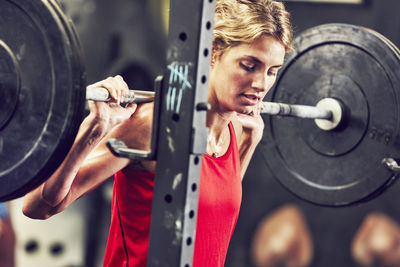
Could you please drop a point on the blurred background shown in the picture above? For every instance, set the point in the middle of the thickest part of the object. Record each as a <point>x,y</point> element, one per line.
<point>128,37</point>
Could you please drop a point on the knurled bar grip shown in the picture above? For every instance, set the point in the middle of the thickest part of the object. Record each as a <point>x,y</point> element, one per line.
<point>300,111</point>
<point>132,96</point>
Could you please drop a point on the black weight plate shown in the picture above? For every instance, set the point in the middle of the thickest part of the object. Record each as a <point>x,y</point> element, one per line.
<point>342,166</point>
<point>48,112</point>
<point>9,83</point>
<point>387,41</point>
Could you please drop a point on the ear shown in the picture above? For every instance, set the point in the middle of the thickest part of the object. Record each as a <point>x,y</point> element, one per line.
<point>214,55</point>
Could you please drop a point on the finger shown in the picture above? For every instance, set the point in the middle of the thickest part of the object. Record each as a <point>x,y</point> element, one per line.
<point>242,118</point>
<point>117,89</point>
<point>122,81</point>
<point>112,87</point>
<point>119,92</point>
<point>132,107</point>
<point>262,106</point>
<point>255,112</point>
<point>122,86</point>
<point>115,86</point>
<point>257,109</point>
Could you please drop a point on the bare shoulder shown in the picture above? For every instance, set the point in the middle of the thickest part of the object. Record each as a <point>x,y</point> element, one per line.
<point>136,134</point>
<point>143,116</point>
<point>136,131</point>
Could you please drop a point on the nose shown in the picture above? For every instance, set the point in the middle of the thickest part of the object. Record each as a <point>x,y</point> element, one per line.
<point>260,82</point>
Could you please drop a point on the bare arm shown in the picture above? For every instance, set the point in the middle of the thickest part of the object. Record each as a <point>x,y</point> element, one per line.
<point>89,162</point>
<point>249,137</point>
<point>67,182</point>
<point>246,151</point>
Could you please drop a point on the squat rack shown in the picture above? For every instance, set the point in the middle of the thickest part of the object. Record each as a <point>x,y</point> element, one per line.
<point>179,135</point>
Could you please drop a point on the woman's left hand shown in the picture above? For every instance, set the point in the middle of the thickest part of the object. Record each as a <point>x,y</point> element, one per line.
<point>110,114</point>
<point>252,123</point>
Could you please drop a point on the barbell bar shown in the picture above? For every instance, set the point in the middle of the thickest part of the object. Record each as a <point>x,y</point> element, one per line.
<point>327,113</point>
<point>131,96</point>
<point>299,111</point>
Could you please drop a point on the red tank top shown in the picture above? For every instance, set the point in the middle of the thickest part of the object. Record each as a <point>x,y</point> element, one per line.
<point>219,203</point>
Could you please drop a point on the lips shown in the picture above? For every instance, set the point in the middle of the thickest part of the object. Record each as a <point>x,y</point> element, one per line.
<point>250,99</point>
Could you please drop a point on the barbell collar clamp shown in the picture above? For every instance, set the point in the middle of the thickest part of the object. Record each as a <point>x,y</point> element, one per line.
<point>327,113</point>
<point>336,109</point>
<point>391,164</point>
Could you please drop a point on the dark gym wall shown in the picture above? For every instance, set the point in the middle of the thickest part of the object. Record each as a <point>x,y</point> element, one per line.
<point>332,229</point>
<point>120,36</point>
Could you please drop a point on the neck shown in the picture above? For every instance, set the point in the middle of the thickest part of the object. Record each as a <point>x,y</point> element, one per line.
<point>218,137</point>
<point>218,121</point>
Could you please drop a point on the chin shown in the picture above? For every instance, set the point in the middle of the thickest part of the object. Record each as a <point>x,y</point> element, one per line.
<point>245,111</point>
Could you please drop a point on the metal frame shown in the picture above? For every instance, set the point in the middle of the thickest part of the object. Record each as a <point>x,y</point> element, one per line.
<point>182,133</point>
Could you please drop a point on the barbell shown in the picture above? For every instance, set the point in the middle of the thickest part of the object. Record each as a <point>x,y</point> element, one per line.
<point>342,80</point>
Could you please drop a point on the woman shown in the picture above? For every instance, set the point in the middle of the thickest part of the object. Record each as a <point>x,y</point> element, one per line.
<point>249,44</point>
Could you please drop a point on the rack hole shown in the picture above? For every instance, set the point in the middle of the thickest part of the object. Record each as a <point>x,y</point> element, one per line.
<point>31,246</point>
<point>194,187</point>
<point>191,214</point>
<point>56,249</point>
<point>168,198</point>
<point>182,36</point>
<point>175,117</point>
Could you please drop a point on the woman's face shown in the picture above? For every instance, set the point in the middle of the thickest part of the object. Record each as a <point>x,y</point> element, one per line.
<point>241,77</point>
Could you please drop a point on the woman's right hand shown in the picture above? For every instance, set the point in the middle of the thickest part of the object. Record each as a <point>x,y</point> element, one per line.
<point>110,114</point>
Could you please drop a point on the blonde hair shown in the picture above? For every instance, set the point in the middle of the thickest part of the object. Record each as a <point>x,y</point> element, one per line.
<point>243,21</point>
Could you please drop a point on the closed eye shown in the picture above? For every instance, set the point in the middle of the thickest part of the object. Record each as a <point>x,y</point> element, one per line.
<point>274,70</point>
<point>247,67</point>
